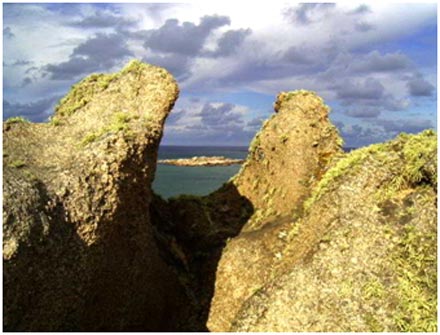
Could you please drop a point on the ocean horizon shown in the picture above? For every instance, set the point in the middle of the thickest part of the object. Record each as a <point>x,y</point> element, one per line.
<point>171,181</point>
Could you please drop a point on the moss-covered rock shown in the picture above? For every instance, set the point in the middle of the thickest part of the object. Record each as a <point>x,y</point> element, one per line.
<point>79,250</point>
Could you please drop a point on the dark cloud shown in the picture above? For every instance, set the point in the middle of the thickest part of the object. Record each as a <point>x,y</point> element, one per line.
<point>31,69</point>
<point>303,13</point>
<point>363,112</point>
<point>367,98</point>
<point>255,124</point>
<point>26,81</point>
<point>419,87</point>
<point>178,65</point>
<point>375,62</point>
<point>370,89</point>
<point>7,32</point>
<point>103,47</point>
<point>36,111</point>
<point>230,42</point>
<point>393,127</point>
<point>298,56</point>
<point>98,53</point>
<point>361,9</point>
<point>220,116</point>
<point>220,124</point>
<point>357,135</point>
<point>175,116</point>
<point>102,20</point>
<point>21,62</point>
<point>186,38</point>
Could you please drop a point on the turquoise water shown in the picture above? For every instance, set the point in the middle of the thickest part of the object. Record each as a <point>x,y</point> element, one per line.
<point>198,180</point>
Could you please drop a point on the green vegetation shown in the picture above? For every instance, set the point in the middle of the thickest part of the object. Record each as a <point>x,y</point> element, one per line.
<point>120,122</point>
<point>419,162</point>
<point>17,119</point>
<point>134,66</point>
<point>17,164</point>
<point>416,165</point>
<point>54,121</point>
<point>255,143</point>
<point>416,266</point>
<point>82,92</point>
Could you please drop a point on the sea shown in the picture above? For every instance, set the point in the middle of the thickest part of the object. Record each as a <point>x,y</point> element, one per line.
<point>171,181</point>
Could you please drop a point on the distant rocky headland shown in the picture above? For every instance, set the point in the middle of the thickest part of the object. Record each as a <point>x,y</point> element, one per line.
<point>304,238</point>
<point>201,161</point>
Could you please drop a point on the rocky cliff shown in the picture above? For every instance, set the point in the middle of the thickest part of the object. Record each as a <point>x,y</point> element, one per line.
<point>78,247</point>
<point>303,238</point>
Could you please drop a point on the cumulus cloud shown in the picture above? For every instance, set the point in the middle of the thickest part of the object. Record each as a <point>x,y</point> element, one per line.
<point>420,87</point>
<point>393,127</point>
<point>361,9</point>
<point>178,65</point>
<point>103,20</point>
<point>186,38</point>
<point>306,13</point>
<point>221,115</point>
<point>36,111</point>
<point>7,32</point>
<point>201,121</point>
<point>100,52</point>
<point>369,89</point>
<point>376,62</point>
<point>21,62</point>
<point>363,112</point>
<point>230,42</point>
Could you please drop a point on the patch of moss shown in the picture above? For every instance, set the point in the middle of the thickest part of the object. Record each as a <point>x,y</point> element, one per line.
<point>373,289</point>
<point>120,122</point>
<point>340,168</point>
<point>17,119</point>
<point>134,66</point>
<point>55,121</point>
<point>255,143</point>
<point>416,266</point>
<point>82,92</point>
<point>17,164</point>
<point>416,165</point>
<point>418,159</point>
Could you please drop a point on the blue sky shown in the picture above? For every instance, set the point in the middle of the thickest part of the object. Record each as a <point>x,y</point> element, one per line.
<point>374,64</point>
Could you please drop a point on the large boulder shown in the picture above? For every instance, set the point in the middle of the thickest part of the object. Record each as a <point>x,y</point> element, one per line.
<point>79,252</point>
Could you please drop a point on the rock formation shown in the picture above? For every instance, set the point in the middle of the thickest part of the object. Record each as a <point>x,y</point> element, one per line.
<point>78,247</point>
<point>286,158</point>
<point>201,161</point>
<point>303,238</point>
<point>363,256</point>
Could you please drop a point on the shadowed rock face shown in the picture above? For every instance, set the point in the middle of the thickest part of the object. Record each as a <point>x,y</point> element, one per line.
<point>78,249</point>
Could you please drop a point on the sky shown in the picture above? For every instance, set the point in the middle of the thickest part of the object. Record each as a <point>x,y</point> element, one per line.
<point>374,64</point>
